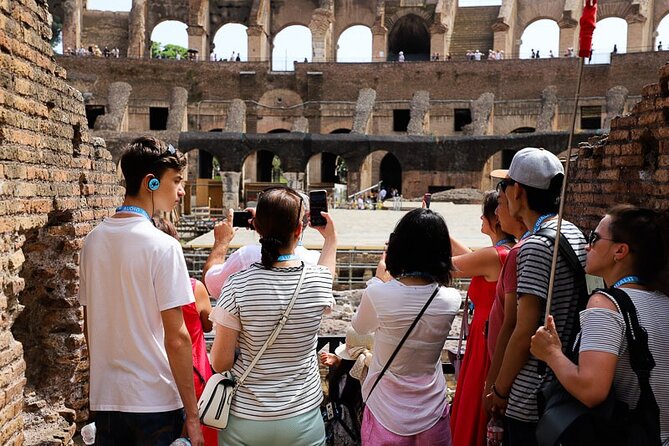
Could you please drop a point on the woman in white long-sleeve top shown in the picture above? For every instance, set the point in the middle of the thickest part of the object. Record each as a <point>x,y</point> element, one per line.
<point>408,406</point>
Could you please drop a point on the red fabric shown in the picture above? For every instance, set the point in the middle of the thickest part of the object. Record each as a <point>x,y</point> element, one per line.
<point>588,21</point>
<point>507,284</point>
<point>200,359</point>
<point>468,419</point>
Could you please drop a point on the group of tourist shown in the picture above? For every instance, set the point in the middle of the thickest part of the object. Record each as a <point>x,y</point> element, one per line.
<point>144,317</point>
<point>93,50</point>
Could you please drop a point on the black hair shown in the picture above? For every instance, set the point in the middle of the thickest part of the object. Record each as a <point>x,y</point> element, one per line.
<point>277,216</point>
<point>646,233</point>
<point>148,155</point>
<point>420,243</point>
<point>545,201</point>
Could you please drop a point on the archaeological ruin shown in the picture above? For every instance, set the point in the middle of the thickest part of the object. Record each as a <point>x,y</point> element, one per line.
<point>417,126</point>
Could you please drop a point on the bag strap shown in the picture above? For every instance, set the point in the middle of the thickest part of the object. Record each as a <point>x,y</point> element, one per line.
<point>565,249</point>
<point>463,326</point>
<point>404,338</point>
<point>277,329</point>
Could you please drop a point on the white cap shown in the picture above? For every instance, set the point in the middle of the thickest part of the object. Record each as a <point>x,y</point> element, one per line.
<point>535,167</point>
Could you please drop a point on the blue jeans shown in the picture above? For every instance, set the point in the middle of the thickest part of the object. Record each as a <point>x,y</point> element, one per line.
<point>133,428</point>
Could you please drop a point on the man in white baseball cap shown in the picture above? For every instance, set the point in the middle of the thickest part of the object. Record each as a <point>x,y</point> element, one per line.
<point>532,187</point>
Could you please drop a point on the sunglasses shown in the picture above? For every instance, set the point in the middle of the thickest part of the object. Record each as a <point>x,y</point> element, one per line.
<point>594,236</point>
<point>503,184</point>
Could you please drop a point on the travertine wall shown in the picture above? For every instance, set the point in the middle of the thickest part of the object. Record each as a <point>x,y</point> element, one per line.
<point>56,183</point>
<point>630,166</point>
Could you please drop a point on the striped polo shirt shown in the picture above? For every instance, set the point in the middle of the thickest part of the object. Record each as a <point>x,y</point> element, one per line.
<point>534,266</point>
<point>285,382</point>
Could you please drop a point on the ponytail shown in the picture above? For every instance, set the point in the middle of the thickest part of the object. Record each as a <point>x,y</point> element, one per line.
<point>269,250</point>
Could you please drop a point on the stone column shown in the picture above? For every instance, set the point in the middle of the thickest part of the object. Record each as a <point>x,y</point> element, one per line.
<point>137,39</point>
<point>364,109</point>
<point>295,180</point>
<point>321,32</point>
<point>177,119</point>
<point>569,30</point>
<point>116,118</point>
<point>438,40</point>
<point>199,39</point>
<point>353,180</point>
<point>419,124</point>
<point>230,183</point>
<point>258,44</point>
<point>72,24</point>
<point>379,43</point>
<point>236,118</point>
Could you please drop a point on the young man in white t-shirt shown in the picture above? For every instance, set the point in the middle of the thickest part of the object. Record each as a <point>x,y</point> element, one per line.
<point>133,282</point>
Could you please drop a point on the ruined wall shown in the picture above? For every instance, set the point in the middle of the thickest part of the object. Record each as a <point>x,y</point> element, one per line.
<point>55,184</point>
<point>631,165</point>
<point>104,28</point>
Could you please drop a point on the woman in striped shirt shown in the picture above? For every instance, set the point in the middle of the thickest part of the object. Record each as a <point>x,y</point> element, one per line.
<point>278,404</point>
<point>629,250</point>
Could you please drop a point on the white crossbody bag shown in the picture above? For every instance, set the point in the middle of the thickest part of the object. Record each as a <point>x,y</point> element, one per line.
<point>214,404</point>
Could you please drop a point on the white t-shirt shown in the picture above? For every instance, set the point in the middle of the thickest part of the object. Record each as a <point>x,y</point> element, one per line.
<point>242,259</point>
<point>130,272</point>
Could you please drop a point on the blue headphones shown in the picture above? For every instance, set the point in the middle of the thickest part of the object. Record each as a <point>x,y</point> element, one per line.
<point>154,184</point>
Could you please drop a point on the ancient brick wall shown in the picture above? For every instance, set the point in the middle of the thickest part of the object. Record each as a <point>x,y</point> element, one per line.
<point>631,165</point>
<point>56,183</point>
<point>105,28</point>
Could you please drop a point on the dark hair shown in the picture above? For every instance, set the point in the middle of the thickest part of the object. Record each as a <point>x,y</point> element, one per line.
<point>545,201</point>
<point>420,243</point>
<point>489,204</point>
<point>277,216</point>
<point>645,231</point>
<point>148,155</point>
<point>166,226</point>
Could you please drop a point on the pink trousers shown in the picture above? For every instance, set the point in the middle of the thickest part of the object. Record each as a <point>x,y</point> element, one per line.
<point>374,434</point>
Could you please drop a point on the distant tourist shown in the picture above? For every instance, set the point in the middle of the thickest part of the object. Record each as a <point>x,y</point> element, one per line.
<point>615,49</point>
<point>400,57</point>
<point>534,54</point>
<point>238,59</point>
<point>659,46</point>
<point>477,55</point>
<point>550,54</point>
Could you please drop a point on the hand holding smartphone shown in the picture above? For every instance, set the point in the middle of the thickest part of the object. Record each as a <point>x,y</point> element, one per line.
<point>240,219</point>
<point>318,202</point>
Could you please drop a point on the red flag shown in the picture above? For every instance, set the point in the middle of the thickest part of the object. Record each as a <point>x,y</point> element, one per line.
<point>588,20</point>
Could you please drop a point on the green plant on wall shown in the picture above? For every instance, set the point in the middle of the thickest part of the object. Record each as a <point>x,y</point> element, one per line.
<point>168,51</point>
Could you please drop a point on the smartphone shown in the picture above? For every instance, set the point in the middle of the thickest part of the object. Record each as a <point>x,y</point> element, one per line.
<point>240,219</point>
<point>318,201</point>
<point>426,198</point>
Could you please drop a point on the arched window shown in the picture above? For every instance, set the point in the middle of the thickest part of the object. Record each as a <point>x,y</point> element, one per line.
<point>291,44</point>
<point>231,41</point>
<point>169,40</point>
<point>541,37</point>
<point>610,37</point>
<point>355,45</point>
<point>662,39</point>
<point>411,36</point>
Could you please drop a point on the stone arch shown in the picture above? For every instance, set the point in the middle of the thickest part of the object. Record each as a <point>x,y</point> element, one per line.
<point>258,166</point>
<point>606,10</point>
<point>384,166</point>
<point>360,51</point>
<point>391,20</point>
<point>542,27</point>
<point>229,37</point>
<point>410,34</point>
<point>283,55</point>
<point>178,37</point>
<point>603,40</point>
<point>324,169</point>
<point>498,160</point>
<point>662,32</point>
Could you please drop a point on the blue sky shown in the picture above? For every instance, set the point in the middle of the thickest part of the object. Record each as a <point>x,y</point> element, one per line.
<point>355,45</point>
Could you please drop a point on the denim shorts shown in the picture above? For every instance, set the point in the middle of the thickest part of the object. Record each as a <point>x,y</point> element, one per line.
<point>141,429</point>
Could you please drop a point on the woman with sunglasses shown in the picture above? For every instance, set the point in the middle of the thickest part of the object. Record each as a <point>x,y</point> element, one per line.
<point>407,406</point>
<point>468,418</point>
<point>629,250</point>
<point>278,404</point>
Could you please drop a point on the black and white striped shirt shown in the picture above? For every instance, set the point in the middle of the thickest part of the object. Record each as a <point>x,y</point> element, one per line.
<point>534,265</point>
<point>604,330</point>
<point>285,382</point>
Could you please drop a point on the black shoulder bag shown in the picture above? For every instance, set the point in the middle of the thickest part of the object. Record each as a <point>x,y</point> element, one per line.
<point>570,423</point>
<point>404,338</point>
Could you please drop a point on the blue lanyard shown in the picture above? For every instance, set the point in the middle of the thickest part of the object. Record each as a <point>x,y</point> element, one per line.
<point>416,274</point>
<point>134,210</point>
<point>627,279</point>
<point>527,234</point>
<point>504,241</point>
<point>540,220</point>
<point>286,257</point>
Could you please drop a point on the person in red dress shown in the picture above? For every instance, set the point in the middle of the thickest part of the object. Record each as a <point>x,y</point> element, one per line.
<point>468,418</point>
<point>196,318</point>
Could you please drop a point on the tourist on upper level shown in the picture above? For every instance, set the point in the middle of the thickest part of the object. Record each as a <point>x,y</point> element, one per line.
<point>400,57</point>
<point>278,404</point>
<point>629,250</point>
<point>532,186</point>
<point>217,269</point>
<point>133,283</point>
<point>468,419</point>
<point>417,268</point>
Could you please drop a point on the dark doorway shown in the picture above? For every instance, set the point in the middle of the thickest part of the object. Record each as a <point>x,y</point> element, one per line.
<point>158,118</point>
<point>329,168</point>
<point>92,113</point>
<point>591,117</point>
<point>461,117</point>
<point>391,173</point>
<point>409,35</point>
<point>205,164</point>
<point>524,130</point>
<point>401,120</point>
<point>264,160</point>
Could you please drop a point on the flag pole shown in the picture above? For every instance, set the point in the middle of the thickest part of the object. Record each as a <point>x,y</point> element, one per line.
<point>587,24</point>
